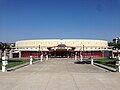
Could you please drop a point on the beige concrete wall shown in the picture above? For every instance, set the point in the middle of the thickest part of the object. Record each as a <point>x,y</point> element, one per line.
<point>67,42</point>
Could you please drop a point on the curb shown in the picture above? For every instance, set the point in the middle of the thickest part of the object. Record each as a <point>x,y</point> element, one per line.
<point>105,67</point>
<point>17,67</point>
<point>20,66</point>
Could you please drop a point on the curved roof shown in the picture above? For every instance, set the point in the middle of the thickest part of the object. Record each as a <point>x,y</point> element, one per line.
<point>55,42</point>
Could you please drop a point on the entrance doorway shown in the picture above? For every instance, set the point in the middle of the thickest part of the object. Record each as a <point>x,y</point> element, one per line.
<point>61,53</point>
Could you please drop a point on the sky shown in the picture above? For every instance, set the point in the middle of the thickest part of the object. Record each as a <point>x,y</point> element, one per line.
<point>59,19</point>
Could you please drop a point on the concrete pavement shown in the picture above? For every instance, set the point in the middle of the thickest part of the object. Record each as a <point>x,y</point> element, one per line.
<point>60,74</point>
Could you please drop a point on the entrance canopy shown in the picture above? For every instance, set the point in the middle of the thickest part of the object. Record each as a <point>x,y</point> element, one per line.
<point>61,47</point>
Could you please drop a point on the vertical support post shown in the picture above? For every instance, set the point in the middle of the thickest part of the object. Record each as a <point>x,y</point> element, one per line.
<point>31,59</point>
<point>55,54</point>
<point>19,54</point>
<point>103,53</point>
<point>118,64</point>
<point>75,55</point>
<point>91,58</point>
<point>47,57</point>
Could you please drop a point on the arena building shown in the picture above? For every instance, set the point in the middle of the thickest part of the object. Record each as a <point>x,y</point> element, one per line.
<point>61,48</point>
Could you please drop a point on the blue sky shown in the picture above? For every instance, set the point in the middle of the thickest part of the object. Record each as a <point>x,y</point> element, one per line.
<point>36,19</point>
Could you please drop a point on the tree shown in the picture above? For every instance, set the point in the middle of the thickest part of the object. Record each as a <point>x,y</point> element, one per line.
<point>115,45</point>
<point>4,46</point>
<point>111,44</point>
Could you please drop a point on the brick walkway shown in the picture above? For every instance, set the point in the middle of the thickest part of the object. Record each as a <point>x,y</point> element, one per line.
<point>60,74</point>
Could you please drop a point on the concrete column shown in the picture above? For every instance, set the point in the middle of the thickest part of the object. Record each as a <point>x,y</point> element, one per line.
<point>118,64</point>
<point>19,54</point>
<point>103,53</point>
<point>91,59</point>
<point>46,57</point>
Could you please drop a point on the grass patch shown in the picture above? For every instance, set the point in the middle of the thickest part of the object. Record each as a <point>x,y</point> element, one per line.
<point>106,61</point>
<point>16,61</point>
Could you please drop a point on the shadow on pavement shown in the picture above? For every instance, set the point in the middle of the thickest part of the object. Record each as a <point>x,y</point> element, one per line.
<point>83,62</point>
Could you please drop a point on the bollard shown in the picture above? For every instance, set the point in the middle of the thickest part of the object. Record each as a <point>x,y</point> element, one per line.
<point>46,57</point>
<point>41,58</point>
<point>31,59</point>
<point>118,64</point>
<point>81,58</point>
<point>91,58</point>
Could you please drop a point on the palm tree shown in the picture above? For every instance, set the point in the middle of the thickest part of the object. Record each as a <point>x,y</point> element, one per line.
<point>4,46</point>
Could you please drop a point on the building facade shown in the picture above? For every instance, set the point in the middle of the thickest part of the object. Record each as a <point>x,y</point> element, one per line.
<point>61,48</point>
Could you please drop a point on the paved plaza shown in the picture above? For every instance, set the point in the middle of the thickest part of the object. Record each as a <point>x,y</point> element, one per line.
<point>60,74</point>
